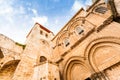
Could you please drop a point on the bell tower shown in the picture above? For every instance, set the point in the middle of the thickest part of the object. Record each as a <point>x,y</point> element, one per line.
<point>36,52</point>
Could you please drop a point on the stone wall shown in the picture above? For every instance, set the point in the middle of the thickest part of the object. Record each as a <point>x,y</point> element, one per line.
<point>7,43</point>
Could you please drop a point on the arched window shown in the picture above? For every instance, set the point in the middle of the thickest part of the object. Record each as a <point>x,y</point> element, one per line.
<point>79,30</point>
<point>1,54</point>
<point>43,59</point>
<point>66,42</point>
<point>101,9</point>
<point>41,32</point>
<point>46,35</point>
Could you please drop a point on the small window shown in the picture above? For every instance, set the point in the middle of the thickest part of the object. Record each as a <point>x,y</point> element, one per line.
<point>43,59</point>
<point>41,32</point>
<point>79,30</point>
<point>46,35</point>
<point>40,78</point>
<point>66,42</point>
<point>101,9</point>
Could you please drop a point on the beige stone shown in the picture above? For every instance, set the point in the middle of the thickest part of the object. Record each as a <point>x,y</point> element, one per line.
<point>86,48</point>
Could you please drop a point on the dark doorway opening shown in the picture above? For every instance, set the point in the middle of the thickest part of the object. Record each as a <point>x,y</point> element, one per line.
<point>87,79</point>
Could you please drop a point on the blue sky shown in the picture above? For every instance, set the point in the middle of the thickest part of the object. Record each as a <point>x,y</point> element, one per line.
<point>17,17</point>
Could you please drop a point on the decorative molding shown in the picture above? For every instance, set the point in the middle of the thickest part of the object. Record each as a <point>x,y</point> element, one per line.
<point>106,22</point>
<point>70,62</point>
<point>88,53</point>
<point>113,9</point>
<point>82,38</point>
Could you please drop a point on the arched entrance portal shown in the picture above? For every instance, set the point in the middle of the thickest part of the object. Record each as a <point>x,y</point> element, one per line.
<point>75,69</point>
<point>7,71</point>
<point>103,55</point>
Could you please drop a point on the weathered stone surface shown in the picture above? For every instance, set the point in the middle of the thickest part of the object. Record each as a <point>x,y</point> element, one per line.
<point>117,6</point>
<point>87,48</point>
<point>7,43</point>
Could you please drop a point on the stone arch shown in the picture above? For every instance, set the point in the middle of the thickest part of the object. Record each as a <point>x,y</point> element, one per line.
<point>76,69</point>
<point>75,22</point>
<point>99,5</point>
<point>10,57</point>
<point>61,37</point>
<point>103,52</point>
<point>7,71</point>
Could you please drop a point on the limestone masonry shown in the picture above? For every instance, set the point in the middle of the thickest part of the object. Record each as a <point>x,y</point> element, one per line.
<point>86,48</point>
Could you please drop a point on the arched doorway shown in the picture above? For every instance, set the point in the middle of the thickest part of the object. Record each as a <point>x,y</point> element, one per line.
<point>76,69</point>
<point>102,54</point>
<point>7,71</point>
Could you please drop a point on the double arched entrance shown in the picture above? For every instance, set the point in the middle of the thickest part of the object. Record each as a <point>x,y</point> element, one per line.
<point>103,54</point>
<point>102,62</point>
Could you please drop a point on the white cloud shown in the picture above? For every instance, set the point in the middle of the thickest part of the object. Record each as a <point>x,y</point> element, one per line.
<point>21,10</point>
<point>76,6</point>
<point>42,20</point>
<point>88,2</point>
<point>34,11</point>
<point>79,4</point>
<point>5,8</point>
<point>1,1</point>
<point>14,21</point>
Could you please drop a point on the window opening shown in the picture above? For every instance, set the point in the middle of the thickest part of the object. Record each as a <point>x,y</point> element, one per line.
<point>79,30</point>
<point>41,32</point>
<point>101,9</point>
<point>46,35</point>
<point>66,42</point>
<point>43,59</point>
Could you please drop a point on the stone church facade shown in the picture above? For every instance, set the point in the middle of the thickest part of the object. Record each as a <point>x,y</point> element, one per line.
<point>86,48</point>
